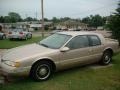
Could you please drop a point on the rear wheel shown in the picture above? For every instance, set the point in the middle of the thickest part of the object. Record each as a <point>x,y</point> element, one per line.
<point>106,58</point>
<point>30,36</point>
<point>26,37</point>
<point>3,37</point>
<point>41,71</point>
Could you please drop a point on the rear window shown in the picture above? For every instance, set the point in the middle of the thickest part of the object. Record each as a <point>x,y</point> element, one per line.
<point>94,40</point>
<point>78,42</point>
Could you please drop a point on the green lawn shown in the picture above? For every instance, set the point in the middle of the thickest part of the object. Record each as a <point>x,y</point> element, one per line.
<point>7,44</point>
<point>82,78</point>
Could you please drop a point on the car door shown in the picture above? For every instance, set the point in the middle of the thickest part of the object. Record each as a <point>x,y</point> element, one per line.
<point>96,48</point>
<point>78,53</point>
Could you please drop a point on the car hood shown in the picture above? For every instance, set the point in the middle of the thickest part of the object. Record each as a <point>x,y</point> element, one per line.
<point>26,51</point>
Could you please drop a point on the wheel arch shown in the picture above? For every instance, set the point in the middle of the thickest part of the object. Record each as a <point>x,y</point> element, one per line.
<point>45,60</point>
<point>109,49</point>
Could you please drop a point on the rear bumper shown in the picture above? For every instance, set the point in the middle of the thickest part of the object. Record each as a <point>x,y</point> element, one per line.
<point>13,71</point>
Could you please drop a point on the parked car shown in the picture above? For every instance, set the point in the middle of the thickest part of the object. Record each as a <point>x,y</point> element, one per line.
<point>57,52</point>
<point>19,34</point>
<point>2,36</point>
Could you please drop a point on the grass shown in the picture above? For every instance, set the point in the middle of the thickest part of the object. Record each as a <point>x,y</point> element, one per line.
<point>82,78</point>
<point>7,44</point>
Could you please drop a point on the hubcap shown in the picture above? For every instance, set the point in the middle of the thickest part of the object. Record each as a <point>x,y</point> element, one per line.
<point>43,72</point>
<point>107,59</point>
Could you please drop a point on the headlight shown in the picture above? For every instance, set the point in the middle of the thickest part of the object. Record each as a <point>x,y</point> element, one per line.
<point>13,64</point>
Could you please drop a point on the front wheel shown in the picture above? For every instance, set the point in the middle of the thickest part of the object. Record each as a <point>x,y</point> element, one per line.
<point>41,71</point>
<point>3,37</point>
<point>30,36</point>
<point>106,58</point>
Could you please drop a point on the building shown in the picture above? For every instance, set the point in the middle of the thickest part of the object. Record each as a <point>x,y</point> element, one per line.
<point>30,26</point>
<point>71,25</point>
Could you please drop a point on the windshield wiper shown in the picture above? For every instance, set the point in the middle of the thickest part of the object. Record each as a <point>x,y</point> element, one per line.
<point>44,45</point>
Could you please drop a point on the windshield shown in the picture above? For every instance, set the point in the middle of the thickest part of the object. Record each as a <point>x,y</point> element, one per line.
<point>55,41</point>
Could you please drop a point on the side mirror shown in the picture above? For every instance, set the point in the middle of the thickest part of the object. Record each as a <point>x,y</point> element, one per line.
<point>64,49</point>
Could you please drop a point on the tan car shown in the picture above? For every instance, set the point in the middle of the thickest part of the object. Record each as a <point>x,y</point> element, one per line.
<point>57,52</point>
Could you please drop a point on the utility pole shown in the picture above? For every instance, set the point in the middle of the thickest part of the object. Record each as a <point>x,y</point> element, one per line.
<point>42,10</point>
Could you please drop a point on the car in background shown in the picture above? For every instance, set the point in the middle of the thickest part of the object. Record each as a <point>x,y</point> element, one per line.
<point>2,36</point>
<point>19,34</point>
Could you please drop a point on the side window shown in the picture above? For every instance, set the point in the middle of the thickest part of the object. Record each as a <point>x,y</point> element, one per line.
<point>78,42</point>
<point>94,40</point>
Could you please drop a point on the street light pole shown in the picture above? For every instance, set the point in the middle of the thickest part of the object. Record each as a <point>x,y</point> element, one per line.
<point>42,11</point>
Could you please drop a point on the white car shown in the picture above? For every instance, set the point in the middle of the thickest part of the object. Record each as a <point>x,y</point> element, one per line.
<point>19,34</point>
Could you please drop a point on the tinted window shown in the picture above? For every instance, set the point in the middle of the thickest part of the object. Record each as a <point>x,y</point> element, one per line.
<point>78,42</point>
<point>94,40</point>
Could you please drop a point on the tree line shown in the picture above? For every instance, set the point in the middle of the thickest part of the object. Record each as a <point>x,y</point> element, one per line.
<point>14,17</point>
<point>92,20</point>
<point>114,23</point>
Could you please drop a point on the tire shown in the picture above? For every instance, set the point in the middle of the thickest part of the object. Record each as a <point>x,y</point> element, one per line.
<point>30,36</point>
<point>41,71</point>
<point>26,37</point>
<point>3,37</point>
<point>106,58</point>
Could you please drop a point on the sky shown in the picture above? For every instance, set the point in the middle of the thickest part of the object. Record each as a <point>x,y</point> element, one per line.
<point>58,8</point>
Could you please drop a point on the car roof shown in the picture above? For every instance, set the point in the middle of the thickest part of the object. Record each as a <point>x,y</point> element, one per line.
<point>76,33</point>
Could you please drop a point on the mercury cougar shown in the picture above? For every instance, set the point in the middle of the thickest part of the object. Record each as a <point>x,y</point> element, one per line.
<point>59,51</point>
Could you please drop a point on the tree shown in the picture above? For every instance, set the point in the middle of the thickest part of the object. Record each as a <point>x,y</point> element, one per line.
<point>7,19</point>
<point>86,20</point>
<point>2,19</point>
<point>94,21</point>
<point>65,19</point>
<point>46,19</point>
<point>55,20</point>
<point>28,19</point>
<point>114,24</point>
<point>14,17</point>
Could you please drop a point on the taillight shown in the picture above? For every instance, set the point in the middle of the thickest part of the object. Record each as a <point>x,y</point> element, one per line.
<point>10,32</point>
<point>20,32</point>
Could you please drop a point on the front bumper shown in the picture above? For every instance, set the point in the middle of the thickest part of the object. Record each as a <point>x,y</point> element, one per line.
<point>13,71</point>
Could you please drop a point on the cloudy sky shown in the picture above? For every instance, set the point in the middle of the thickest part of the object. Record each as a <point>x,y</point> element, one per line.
<point>58,8</point>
